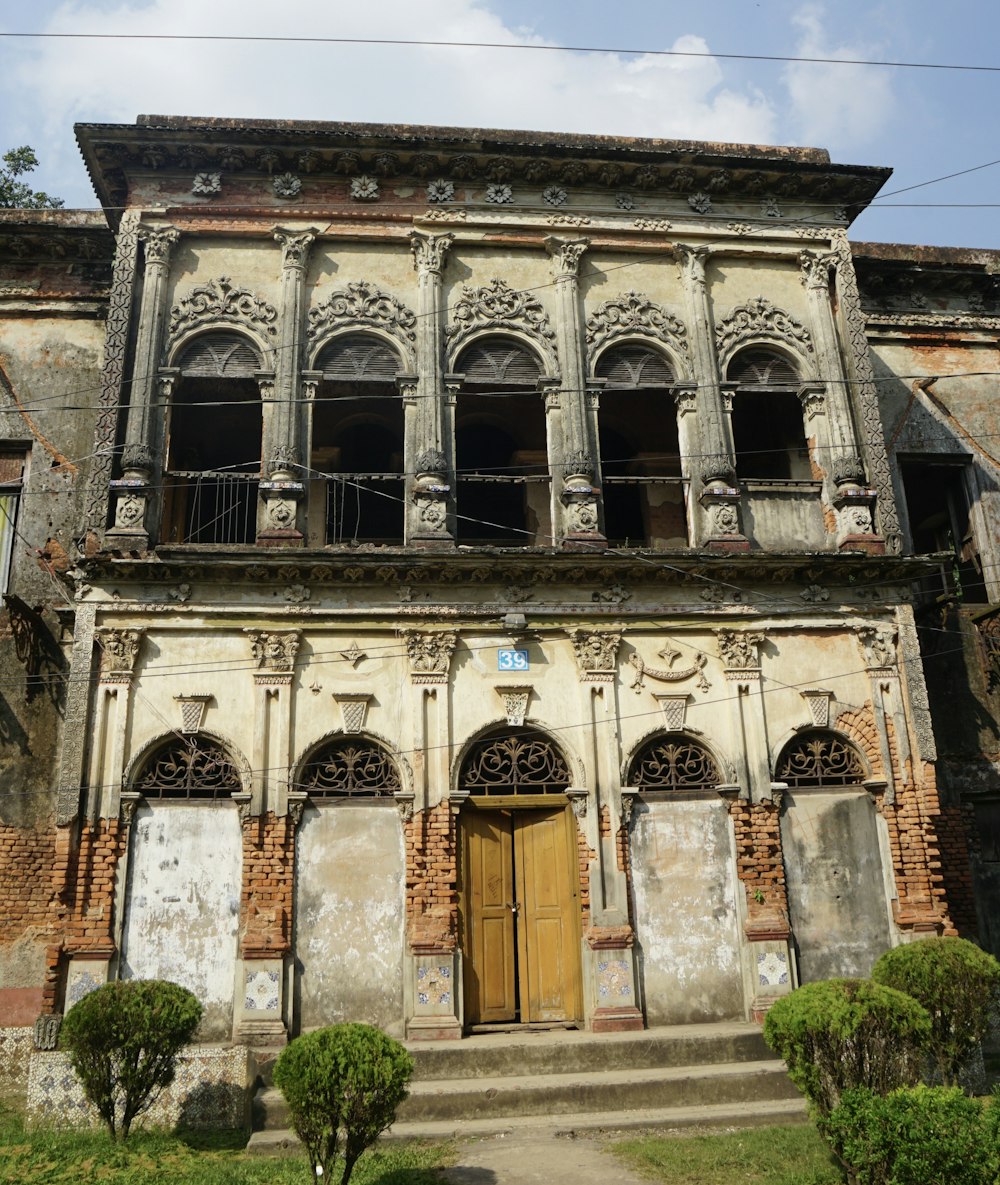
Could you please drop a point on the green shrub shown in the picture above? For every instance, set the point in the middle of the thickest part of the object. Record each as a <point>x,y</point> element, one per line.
<point>348,1077</point>
<point>922,1135</point>
<point>123,1040</point>
<point>841,1033</point>
<point>957,983</point>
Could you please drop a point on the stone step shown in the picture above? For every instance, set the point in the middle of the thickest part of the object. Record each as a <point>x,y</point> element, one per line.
<point>549,1095</point>
<point>574,1052</point>
<point>765,1112</point>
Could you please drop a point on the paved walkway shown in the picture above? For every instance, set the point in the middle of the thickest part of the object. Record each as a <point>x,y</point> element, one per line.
<point>544,1158</point>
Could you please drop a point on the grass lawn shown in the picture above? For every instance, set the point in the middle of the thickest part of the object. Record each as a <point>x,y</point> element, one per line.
<point>196,1158</point>
<point>792,1155</point>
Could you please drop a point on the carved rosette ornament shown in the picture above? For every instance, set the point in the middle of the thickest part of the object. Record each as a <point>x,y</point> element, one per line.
<point>430,495</point>
<point>596,654</point>
<point>274,653</point>
<point>879,646</point>
<point>740,652</point>
<point>119,650</point>
<point>429,654</point>
<point>498,306</point>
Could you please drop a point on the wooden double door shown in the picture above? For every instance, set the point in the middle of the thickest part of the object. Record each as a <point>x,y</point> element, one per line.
<point>520,915</point>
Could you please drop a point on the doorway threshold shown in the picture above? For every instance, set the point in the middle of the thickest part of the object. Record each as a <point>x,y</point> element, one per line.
<point>538,1026</point>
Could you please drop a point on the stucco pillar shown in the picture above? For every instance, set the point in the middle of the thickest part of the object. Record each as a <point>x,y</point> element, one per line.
<point>281,487</point>
<point>140,463</point>
<point>719,524</point>
<point>429,446</point>
<point>830,405</point>
<point>579,524</point>
<point>603,815</point>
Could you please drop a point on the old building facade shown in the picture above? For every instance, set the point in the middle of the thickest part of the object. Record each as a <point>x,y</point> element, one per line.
<point>486,600</point>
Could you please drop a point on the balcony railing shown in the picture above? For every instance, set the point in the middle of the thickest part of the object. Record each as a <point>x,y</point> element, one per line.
<point>211,507</point>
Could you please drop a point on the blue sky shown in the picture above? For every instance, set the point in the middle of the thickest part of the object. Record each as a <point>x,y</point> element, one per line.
<point>922,123</point>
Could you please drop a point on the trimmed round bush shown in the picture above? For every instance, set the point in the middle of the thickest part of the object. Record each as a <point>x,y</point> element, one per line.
<point>958,984</point>
<point>347,1078</point>
<point>841,1033</point>
<point>123,1040</point>
<point>921,1135</point>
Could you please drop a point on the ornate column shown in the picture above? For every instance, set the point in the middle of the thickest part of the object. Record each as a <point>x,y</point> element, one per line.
<point>282,489</point>
<point>132,491</point>
<point>603,814</point>
<point>429,453</point>
<point>433,968</point>
<point>719,497</point>
<point>580,525</point>
<point>853,501</point>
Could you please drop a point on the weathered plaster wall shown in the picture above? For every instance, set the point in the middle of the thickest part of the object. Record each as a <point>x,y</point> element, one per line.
<point>836,885</point>
<point>183,902</point>
<point>349,908</point>
<point>686,917</point>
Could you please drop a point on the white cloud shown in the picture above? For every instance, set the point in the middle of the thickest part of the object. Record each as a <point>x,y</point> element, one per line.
<point>56,82</point>
<point>836,107</point>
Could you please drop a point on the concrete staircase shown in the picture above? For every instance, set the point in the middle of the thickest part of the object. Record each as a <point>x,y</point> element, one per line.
<point>717,1075</point>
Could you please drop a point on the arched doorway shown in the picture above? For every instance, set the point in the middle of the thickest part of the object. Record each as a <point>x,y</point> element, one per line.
<point>837,902</point>
<point>519,894</point>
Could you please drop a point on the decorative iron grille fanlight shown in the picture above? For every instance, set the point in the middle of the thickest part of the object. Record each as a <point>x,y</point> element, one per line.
<point>673,765</point>
<point>350,767</point>
<point>190,767</point>
<point>522,764</point>
<point>820,759</point>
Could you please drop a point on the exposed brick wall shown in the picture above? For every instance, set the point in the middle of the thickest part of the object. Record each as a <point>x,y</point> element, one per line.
<point>958,840</point>
<point>27,892</point>
<point>431,879</point>
<point>587,857</point>
<point>91,866</point>
<point>862,729</point>
<point>759,863</point>
<point>268,883</point>
<point>912,821</point>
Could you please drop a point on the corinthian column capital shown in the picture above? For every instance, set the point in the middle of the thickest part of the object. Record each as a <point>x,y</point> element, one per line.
<point>295,246</point>
<point>566,255</point>
<point>429,251</point>
<point>157,243</point>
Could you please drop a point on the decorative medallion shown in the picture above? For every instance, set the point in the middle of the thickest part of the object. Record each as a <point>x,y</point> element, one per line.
<point>364,189</point>
<point>287,185</point>
<point>440,191</point>
<point>554,196</point>
<point>499,195</point>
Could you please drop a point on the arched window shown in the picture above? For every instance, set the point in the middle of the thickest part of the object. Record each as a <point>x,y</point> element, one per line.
<point>500,446</point>
<point>673,763</point>
<point>768,433</point>
<point>818,758</point>
<point>357,442</point>
<point>518,762</point>
<point>351,767</point>
<point>640,452</point>
<point>214,445</point>
<point>189,767</point>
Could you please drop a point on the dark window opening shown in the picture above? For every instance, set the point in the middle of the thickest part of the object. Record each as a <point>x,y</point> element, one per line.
<point>937,507</point>
<point>11,480</point>
<point>641,484</point>
<point>213,454</point>
<point>357,444</point>
<point>768,432</point>
<point>500,448</point>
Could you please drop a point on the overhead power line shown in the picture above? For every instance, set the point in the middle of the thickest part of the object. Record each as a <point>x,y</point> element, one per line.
<point>435,44</point>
